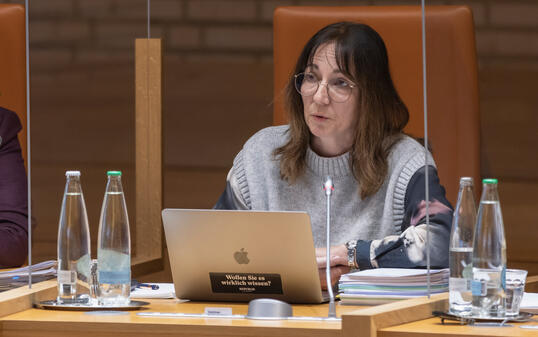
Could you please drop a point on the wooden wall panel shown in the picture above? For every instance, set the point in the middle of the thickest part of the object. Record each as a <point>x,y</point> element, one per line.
<point>509,118</point>
<point>212,108</point>
<point>509,129</point>
<point>519,201</point>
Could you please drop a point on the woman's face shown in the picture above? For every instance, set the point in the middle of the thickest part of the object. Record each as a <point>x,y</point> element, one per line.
<point>331,123</point>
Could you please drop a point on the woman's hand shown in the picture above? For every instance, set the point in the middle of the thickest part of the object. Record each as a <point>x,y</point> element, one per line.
<point>338,262</point>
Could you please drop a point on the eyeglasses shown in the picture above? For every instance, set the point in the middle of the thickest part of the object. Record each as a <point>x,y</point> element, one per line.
<point>338,89</point>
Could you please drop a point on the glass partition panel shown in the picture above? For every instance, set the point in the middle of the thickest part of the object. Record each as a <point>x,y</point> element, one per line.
<point>507,53</point>
<point>83,106</point>
<point>217,91</point>
<point>224,51</point>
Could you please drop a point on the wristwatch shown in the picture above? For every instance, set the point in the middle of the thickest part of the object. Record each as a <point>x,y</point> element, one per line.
<point>352,254</point>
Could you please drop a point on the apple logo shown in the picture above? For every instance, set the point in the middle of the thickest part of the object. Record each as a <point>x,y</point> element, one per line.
<point>241,257</point>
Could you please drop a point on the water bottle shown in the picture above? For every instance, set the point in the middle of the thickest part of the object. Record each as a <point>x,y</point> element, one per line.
<point>73,241</point>
<point>489,255</point>
<point>461,250</point>
<point>114,246</point>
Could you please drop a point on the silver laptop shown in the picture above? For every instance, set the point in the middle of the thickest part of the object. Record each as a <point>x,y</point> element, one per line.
<point>218,255</point>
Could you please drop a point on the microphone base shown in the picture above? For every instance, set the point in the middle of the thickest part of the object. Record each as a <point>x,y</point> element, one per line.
<point>266,308</point>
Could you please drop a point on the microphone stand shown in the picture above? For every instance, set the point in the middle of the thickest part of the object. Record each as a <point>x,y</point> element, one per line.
<point>329,188</point>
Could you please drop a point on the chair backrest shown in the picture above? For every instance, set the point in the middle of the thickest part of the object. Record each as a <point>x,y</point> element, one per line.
<point>452,88</point>
<point>13,64</point>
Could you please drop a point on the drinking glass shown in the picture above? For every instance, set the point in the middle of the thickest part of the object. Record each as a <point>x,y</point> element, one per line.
<point>515,286</point>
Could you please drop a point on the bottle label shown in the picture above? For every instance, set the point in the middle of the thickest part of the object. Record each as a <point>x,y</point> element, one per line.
<point>67,276</point>
<point>459,284</point>
<point>479,287</point>
<point>503,278</point>
<point>114,277</point>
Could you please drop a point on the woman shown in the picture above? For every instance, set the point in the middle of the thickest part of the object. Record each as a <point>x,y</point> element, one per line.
<point>346,121</point>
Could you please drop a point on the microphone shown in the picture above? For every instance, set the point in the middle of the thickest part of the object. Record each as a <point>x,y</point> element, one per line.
<point>328,187</point>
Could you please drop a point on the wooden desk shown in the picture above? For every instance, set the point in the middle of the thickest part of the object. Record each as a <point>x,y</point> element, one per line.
<point>400,319</point>
<point>433,327</point>
<point>68,323</point>
<point>18,318</point>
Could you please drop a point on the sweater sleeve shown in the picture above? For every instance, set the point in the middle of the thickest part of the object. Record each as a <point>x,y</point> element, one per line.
<point>13,194</point>
<point>409,249</point>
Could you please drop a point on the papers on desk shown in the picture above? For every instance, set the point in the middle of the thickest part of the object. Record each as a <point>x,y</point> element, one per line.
<point>15,278</point>
<point>166,290</point>
<point>384,285</point>
<point>529,303</point>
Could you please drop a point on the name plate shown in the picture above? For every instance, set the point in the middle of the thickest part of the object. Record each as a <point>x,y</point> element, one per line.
<point>214,311</point>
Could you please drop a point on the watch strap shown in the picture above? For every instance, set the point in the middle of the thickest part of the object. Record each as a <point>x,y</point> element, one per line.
<point>352,254</point>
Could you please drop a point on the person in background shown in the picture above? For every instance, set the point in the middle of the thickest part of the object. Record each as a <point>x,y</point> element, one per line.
<point>13,194</point>
<point>346,121</point>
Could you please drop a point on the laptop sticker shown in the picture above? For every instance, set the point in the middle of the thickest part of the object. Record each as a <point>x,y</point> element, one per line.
<point>246,283</point>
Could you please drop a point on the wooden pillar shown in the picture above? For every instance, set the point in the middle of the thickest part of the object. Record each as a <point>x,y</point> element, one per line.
<point>147,240</point>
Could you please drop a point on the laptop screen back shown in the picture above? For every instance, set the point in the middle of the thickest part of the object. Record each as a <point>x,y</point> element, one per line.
<point>220,255</point>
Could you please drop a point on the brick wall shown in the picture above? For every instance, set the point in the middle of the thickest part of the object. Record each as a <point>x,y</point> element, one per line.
<point>218,91</point>
<point>507,30</point>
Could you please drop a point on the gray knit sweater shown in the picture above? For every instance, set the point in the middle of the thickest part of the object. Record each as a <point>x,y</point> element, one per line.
<point>376,221</point>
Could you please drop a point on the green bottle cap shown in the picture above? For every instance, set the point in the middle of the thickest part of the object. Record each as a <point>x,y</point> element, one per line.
<point>489,181</point>
<point>113,173</point>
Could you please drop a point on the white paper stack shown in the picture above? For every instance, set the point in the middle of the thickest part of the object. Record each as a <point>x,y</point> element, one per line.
<point>529,303</point>
<point>14,278</point>
<point>384,285</point>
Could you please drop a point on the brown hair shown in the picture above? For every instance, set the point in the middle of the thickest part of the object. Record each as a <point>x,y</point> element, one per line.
<point>362,56</point>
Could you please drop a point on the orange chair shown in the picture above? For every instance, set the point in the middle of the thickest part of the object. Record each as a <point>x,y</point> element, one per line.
<point>453,112</point>
<point>13,64</point>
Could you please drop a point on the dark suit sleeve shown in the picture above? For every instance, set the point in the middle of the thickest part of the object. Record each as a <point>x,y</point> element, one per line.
<point>13,194</point>
<point>231,198</point>
<point>409,249</point>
